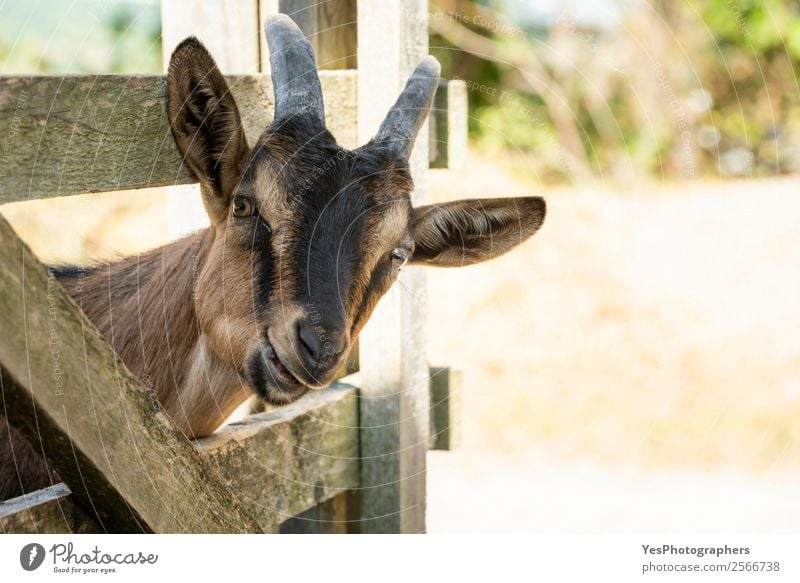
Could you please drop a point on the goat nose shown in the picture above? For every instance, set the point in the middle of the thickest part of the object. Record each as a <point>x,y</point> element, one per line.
<point>321,344</point>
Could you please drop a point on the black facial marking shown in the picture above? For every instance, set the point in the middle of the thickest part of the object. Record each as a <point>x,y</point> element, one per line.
<point>335,249</point>
<point>262,260</point>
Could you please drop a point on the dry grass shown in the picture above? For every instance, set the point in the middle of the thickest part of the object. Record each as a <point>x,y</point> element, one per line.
<point>659,329</point>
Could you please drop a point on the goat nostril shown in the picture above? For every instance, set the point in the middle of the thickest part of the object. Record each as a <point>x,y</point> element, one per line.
<point>309,341</point>
<point>320,345</point>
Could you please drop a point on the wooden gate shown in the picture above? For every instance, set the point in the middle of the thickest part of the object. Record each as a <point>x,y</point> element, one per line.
<point>350,458</point>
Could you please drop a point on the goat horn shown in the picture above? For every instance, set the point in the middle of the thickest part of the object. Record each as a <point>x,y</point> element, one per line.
<point>294,70</point>
<point>401,125</point>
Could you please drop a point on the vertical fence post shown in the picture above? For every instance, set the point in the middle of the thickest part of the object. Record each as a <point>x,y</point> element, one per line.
<point>392,38</point>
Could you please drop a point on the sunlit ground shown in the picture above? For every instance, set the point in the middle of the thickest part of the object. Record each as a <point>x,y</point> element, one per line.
<point>636,366</point>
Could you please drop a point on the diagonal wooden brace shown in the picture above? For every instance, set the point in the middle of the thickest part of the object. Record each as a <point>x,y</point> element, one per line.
<point>104,432</point>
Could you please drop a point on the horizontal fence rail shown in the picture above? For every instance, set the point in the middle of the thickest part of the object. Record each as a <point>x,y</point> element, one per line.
<point>96,133</point>
<point>278,463</point>
<point>78,134</point>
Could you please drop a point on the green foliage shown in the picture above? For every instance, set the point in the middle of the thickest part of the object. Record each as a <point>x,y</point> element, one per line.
<point>677,89</point>
<point>87,36</point>
<point>519,121</point>
<point>763,25</point>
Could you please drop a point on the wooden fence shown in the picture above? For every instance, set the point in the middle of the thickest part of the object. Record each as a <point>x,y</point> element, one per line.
<point>350,458</point>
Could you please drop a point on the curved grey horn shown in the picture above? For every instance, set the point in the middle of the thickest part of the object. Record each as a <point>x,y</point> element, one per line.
<point>294,71</point>
<point>401,125</point>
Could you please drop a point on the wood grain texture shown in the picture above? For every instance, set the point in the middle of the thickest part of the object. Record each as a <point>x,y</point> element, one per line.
<point>77,134</point>
<point>283,462</point>
<point>329,517</point>
<point>104,432</point>
<point>336,35</point>
<point>329,25</point>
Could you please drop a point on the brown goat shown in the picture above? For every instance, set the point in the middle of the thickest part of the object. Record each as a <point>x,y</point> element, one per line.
<point>305,238</point>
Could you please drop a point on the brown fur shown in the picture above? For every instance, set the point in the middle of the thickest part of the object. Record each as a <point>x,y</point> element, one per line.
<point>147,308</point>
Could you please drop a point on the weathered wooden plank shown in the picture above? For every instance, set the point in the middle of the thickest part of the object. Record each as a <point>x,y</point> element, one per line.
<point>448,136</point>
<point>76,134</point>
<point>337,35</point>
<point>285,461</point>
<point>97,425</point>
<point>329,26</point>
<point>48,511</point>
<point>329,517</point>
<point>392,39</point>
<point>445,407</point>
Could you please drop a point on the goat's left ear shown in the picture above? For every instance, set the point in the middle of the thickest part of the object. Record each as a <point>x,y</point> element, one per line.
<point>206,124</point>
<point>470,231</point>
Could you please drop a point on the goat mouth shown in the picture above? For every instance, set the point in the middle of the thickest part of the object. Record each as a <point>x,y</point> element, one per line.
<point>279,372</point>
<point>296,374</point>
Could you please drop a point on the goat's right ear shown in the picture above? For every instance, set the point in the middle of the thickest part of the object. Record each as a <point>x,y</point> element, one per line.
<point>206,124</point>
<point>465,232</point>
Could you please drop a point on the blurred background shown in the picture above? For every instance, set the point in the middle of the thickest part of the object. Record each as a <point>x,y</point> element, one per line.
<point>636,366</point>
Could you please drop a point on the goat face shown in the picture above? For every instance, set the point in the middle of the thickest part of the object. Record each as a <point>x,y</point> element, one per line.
<point>307,235</point>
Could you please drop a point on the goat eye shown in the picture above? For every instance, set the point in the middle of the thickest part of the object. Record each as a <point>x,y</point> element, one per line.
<point>400,257</point>
<point>243,207</point>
